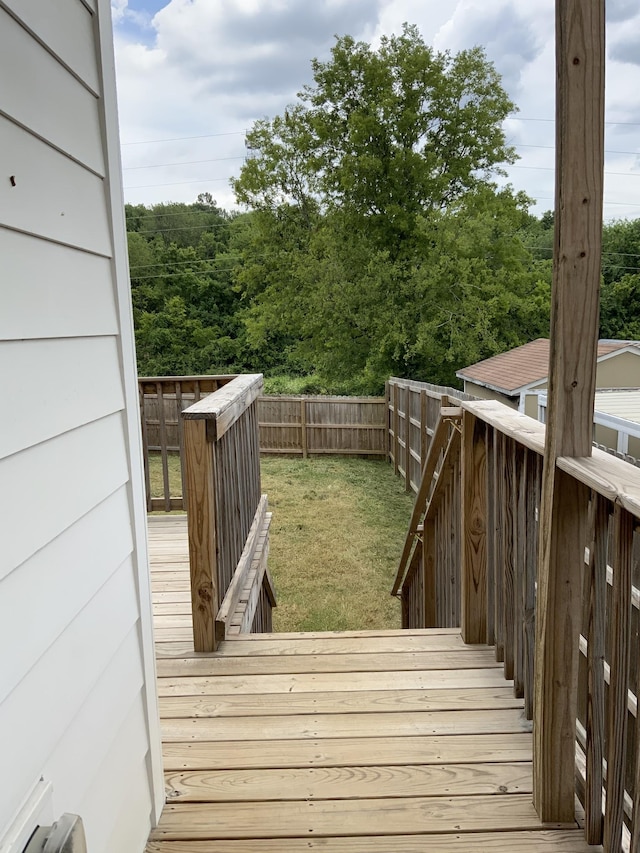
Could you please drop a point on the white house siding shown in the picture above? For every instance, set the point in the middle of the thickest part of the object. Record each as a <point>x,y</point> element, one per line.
<point>77,691</point>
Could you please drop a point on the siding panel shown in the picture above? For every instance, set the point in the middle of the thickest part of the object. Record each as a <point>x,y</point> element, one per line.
<point>66,27</point>
<point>51,291</point>
<point>50,101</point>
<point>68,762</point>
<point>76,382</point>
<point>53,197</point>
<point>37,713</point>
<point>49,571</point>
<point>121,811</point>
<point>55,484</point>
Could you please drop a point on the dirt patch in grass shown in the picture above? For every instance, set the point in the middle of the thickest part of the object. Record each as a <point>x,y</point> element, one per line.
<point>336,536</point>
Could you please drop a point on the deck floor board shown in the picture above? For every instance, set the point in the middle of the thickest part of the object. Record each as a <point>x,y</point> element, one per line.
<point>354,742</point>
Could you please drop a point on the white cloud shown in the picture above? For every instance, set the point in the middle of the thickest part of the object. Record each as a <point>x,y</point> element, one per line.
<point>199,68</point>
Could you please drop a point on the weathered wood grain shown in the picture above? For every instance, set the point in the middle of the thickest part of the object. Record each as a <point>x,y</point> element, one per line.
<point>543,841</point>
<point>473,522</point>
<point>369,702</point>
<point>374,817</point>
<point>344,783</point>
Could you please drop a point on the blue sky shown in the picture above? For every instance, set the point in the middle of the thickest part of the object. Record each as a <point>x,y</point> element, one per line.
<point>193,75</point>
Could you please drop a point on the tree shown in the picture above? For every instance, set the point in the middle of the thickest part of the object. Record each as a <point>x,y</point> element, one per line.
<point>379,243</point>
<point>388,135</point>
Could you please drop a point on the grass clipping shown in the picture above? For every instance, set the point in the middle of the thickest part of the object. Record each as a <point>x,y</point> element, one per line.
<point>336,537</point>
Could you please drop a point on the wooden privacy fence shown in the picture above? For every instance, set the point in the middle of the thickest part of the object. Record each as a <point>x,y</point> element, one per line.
<point>228,522</point>
<point>493,484</point>
<point>303,426</point>
<point>321,425</point>
<point>413,411</point>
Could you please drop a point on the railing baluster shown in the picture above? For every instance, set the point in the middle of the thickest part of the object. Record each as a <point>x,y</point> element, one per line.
<point>163,446</point>
<point>498,521</point>
<point>532,480</point>
<point>520,559</point>
<point>596,592</point>
<point>509,605</point>
<point>617,701</point>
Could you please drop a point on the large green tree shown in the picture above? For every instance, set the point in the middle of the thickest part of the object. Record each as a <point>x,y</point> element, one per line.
<point>387,134</point>
<point>379,242</point>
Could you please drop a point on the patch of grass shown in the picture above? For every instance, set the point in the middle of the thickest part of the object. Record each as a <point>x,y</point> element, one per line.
<point>156,477</point>
<point>336,537</point>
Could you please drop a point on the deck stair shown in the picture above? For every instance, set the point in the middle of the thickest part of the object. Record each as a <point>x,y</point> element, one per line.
<point>349,742</point>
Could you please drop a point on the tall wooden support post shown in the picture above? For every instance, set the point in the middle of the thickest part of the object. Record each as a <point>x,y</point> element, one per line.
<point>574,335</point>
<point>474,530</point>
<point>200,476</point>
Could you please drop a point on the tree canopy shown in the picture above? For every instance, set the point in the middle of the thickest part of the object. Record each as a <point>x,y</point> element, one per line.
<point>376,239</point>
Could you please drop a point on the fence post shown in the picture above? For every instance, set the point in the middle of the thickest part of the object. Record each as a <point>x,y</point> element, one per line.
<point>407,439</point>
<point>396,426</point>
<point>303,427</point>
<point>474,530</point>
<point>200,477</point>
<point>387,423</point>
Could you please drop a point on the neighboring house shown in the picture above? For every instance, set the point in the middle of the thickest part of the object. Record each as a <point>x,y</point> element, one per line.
<point>78,710</point>
<point>515,377</point>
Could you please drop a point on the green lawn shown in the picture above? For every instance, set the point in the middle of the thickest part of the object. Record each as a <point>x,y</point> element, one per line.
<point>336,536</point>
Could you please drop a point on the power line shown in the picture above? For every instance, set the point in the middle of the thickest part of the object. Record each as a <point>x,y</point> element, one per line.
<point>552,148</point>
<point>176,183</point>
<point>182,138</point>
<point>181,163</point>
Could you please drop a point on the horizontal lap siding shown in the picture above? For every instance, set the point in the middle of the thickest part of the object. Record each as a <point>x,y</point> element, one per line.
<point>50,291</point>
<point>73,696</point>
<point>76,381</point>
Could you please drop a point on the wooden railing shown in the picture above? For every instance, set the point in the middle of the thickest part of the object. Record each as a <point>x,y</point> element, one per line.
<point>414,408</point>
<point>226,513</point>
<point>499,484</point>
<point>162,400</point>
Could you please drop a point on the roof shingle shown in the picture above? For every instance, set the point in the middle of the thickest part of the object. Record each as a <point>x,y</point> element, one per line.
<point>511,371</point>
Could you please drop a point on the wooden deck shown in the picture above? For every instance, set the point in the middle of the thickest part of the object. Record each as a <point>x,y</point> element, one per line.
<point>354,742</point>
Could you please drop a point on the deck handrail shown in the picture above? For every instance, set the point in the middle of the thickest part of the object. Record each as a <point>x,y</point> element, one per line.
<point>222,471</point>
<point>499,483</point>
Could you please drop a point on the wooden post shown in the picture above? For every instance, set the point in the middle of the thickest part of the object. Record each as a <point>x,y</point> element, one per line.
<point>580,59</point>
<point>200,476</point>
<point>396,426</point>
<point>387,420</point>
<point>407,439</point>
<point>303,427</point>
<point>474,530</point>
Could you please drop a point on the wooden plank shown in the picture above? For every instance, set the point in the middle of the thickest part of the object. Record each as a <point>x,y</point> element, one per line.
<point>234,590</point>
<point>341,645</point>
<point>612,478</point>
<point>539,841</point>
<point>374,816</point>
<point>597,599</point>
<point>199,464</point>
<point>474,530</point>
<point>223,408</point>
<point>619,656</point>
<point>340,783</point>
<point>369,702</point>
<point>73,127</point>
<point>328,682</point>
<point>60,214</point>
<point>508,422</point>
<point>345,752</point>
<point>407,439</point>
<point>466,658</point>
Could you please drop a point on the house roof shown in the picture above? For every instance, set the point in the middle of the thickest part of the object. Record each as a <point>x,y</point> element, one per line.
<point>512,371</point>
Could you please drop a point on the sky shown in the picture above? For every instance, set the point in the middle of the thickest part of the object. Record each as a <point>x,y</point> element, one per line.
<point>193,76</point>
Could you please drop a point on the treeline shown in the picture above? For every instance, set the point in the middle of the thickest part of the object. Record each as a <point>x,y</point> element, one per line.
<point>378,241</point>
<point>215,292</point>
